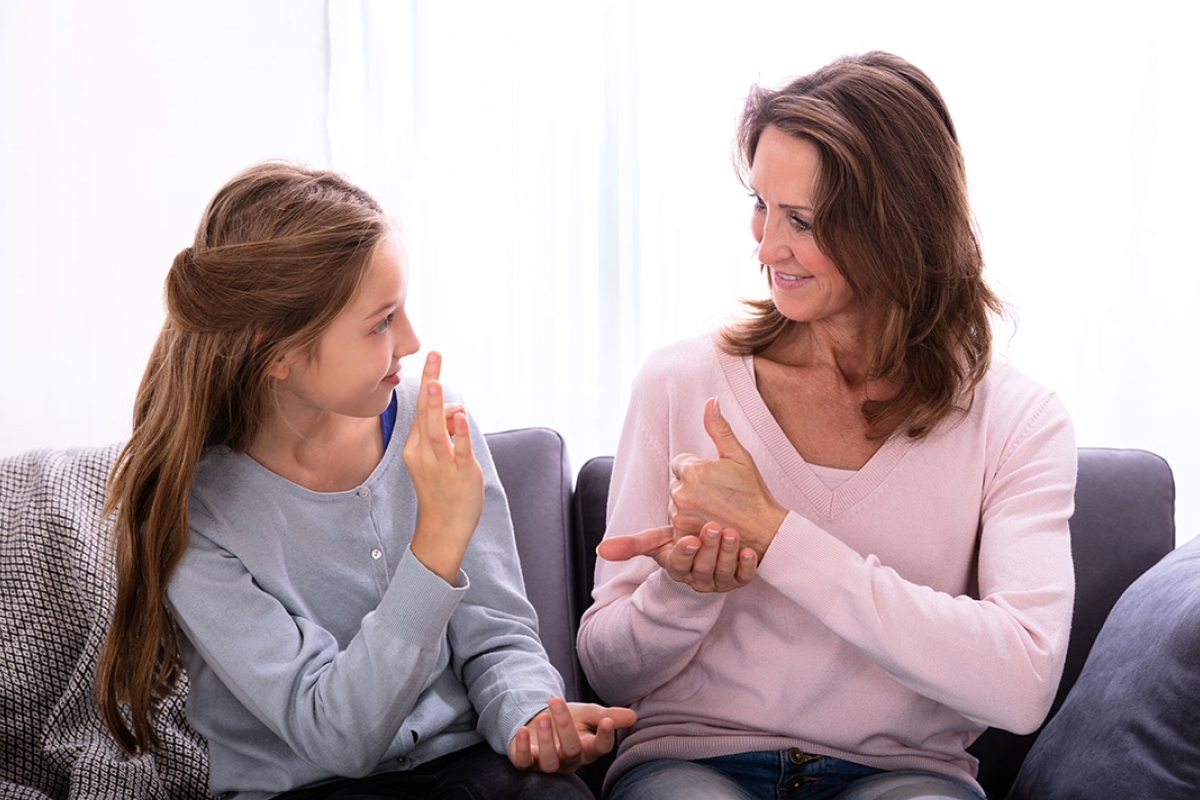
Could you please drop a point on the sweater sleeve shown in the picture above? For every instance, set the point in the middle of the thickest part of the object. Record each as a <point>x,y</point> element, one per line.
<point>996,657</point>
<point>493,632</point>
<point>643,627</point>
<point>339,709</point>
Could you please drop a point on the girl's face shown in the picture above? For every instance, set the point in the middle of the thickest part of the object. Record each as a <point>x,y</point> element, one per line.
<point>805,284</point>
<point>357,361</point>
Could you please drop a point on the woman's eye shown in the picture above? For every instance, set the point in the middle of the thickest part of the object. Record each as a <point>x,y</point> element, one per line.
<point>759,205</point>
<point>801,224</point>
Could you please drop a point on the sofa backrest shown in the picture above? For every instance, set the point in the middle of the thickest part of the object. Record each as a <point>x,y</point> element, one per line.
<point>536,474</point>
<point>1124,522</point>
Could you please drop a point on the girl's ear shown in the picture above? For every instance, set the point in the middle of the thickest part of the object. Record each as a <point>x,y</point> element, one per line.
<point>280,369</point>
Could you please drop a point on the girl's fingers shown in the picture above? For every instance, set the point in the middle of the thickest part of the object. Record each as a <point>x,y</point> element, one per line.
<point>547,753</point>
<point>429,373</point>
<point>462,439</point>
<point>569,746</point>
<point>434,418</point>
<point>521,752</point>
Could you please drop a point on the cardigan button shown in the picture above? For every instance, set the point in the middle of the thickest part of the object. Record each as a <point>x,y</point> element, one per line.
<point>376,554</point>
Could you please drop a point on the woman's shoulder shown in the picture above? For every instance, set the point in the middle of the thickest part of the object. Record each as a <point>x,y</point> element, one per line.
<point>1013,406</point>
<point>681,362</point>
<point>1007,387</point>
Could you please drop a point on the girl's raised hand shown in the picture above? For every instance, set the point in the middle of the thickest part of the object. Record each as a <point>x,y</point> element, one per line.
<point>446,476</point>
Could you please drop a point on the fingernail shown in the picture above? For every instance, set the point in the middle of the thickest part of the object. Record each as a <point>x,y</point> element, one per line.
<point>689,549</point>
<point>728,541</point>
<point>716,409</point>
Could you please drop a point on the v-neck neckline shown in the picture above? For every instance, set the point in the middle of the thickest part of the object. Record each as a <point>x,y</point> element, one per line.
<point>832,503</point>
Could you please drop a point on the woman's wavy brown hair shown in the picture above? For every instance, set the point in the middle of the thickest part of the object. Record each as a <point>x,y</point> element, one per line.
<point>891,212</point>
<point>280,250</point>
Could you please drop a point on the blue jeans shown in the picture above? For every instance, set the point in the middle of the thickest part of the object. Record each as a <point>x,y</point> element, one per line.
<point>781,775</point>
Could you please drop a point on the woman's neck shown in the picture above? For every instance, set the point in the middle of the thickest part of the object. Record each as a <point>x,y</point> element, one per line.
<point>848,350</point>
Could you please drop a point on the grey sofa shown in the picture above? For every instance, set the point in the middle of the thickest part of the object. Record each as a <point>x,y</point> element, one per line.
<point>56,595</point>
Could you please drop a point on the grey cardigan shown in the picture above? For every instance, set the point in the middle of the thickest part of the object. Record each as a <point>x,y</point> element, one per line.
<point>318,646</point>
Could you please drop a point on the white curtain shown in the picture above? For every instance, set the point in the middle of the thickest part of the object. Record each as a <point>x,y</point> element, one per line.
<point>562,175</point>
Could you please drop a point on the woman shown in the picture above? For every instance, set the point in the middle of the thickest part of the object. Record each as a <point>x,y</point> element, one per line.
<point>856,521</point>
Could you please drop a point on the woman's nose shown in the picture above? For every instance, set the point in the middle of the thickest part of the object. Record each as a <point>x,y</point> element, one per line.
<point>772,247</point>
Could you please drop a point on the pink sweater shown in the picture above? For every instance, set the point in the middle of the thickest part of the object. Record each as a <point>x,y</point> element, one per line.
<point>891,620</point>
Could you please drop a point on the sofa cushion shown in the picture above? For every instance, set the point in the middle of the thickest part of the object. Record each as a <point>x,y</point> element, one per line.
<point>56,597</point>
<point>1128,726</point>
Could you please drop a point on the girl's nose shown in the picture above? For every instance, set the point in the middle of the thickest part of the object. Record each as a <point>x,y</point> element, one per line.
<point>405,341</point>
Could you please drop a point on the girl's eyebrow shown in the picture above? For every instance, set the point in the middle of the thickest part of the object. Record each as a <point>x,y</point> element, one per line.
<point>388,306</point>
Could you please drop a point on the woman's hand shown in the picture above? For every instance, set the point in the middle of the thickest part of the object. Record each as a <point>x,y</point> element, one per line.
<point>566,736</point>
<point>714,561</point>
<point>447,477</point>
<point>728,490</point>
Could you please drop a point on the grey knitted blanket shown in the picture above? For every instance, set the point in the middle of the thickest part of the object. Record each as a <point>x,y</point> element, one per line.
<point>56,597</point>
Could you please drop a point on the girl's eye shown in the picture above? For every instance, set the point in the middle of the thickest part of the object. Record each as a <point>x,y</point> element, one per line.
<point>384,324</point>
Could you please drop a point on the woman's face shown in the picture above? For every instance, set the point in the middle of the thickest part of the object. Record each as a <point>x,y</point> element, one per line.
<point>805,284</point>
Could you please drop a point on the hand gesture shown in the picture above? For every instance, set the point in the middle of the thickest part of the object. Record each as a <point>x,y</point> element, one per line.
<point>447,477</point>
<point>728,490</point>
<point>566,736</point>
<point>714,561</point>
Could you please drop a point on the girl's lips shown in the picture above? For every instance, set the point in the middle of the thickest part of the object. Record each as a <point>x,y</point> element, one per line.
<point>393,379</point>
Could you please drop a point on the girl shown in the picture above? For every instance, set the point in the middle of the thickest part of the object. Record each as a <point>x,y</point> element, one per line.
<point>347,603</point>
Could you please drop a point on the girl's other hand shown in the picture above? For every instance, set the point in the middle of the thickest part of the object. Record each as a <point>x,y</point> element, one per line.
<point>447,477</point>
<point>567,736</point>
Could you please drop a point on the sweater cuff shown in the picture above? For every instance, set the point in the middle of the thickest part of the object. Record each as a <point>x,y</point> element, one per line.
<point>424,590</point>
<point>663,591</point>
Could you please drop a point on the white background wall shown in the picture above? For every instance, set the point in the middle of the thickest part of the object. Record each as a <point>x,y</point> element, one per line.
<point>562,173</point>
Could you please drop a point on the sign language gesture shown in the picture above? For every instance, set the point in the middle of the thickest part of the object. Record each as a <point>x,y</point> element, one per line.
<point>713,504</point>
<point>566,736</point>
<point>728,489</point>
<point>446,476</point>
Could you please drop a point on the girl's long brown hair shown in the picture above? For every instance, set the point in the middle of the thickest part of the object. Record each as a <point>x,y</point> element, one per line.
<point>280,250</point>
<point>892,213</point>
